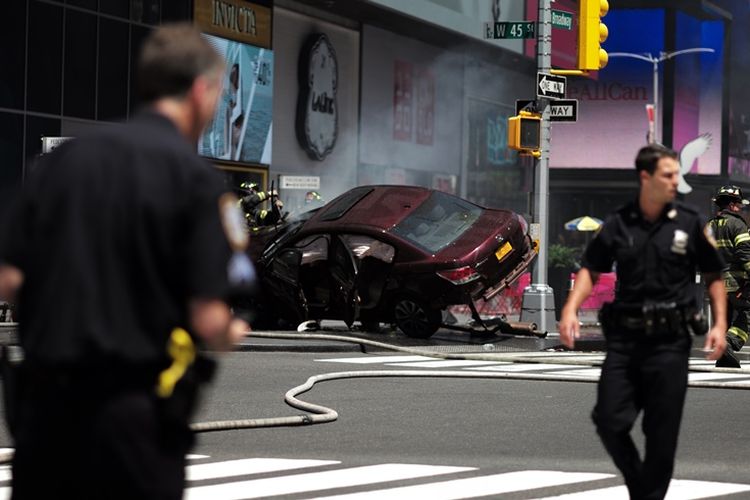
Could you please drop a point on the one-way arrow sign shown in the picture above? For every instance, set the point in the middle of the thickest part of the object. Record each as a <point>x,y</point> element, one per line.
<point>550,86</point>
<point>563,110</point>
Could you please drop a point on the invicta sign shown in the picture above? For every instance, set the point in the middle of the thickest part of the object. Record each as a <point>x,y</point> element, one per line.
<point>233,17</point>
<point>237,20</point>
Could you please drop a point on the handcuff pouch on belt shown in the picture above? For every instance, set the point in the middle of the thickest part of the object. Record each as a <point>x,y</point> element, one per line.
<point>177,386</point>
<point>651,320</point>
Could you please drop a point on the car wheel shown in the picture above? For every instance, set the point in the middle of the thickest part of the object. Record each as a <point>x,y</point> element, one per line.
<point>415,319</point>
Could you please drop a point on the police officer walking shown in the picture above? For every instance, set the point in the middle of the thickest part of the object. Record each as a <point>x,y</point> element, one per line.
<point>733,240</point>
<point>657,244</point>
<point>121,243</point>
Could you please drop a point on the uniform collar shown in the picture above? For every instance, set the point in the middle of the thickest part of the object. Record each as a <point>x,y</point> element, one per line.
<point>727,212</point>
<point>669,212</point>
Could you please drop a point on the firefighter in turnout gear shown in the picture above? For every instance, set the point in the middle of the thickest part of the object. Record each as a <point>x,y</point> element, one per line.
<point>256,216</point>
<point>733,239</point>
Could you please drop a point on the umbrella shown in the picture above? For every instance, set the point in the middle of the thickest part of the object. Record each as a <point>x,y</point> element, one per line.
<point>584,223</point>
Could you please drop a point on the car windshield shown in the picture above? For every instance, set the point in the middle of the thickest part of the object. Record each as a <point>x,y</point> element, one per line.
<point>438,222</point>
<point>338,208</point>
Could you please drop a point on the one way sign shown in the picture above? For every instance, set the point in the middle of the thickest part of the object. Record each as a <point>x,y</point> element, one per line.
<point>563,110</point>
<point>550,86</point>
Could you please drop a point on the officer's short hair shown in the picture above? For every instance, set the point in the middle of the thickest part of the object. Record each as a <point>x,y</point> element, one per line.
<point>649,156</point>
<point>171,58</point>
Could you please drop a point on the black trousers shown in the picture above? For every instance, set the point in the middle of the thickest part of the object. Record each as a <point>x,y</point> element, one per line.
<point>649,376</point>
<point>72,442</point>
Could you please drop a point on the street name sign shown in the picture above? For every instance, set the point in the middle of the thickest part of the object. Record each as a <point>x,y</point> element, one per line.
<point>563,110</point>
<point>550,86</point>
<point>510,29</point>
<point>562,19</point>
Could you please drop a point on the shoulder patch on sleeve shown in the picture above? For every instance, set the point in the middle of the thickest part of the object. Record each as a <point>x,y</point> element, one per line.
<point>709,233</point>
<point>233,222</point>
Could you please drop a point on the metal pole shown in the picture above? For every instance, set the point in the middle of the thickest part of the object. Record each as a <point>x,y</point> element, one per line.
<point>657,138</point>
<point>538,301</point>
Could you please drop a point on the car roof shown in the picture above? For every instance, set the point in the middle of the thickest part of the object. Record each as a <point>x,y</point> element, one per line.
<point>380,207</point>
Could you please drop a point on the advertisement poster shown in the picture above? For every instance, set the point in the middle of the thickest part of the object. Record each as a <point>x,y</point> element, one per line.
<point>402,100</point>
<point>241,128</point>
<point>425,107</point>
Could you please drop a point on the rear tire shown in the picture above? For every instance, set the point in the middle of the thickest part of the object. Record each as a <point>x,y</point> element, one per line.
<point>415,318</point>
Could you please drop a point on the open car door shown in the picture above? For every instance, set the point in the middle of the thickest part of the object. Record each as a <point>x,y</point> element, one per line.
<point>343,268</point>
<point>289,302</point>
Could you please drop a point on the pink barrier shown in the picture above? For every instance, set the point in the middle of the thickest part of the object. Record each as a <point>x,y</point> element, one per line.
<point>510,300</point>
<point>604,291</point>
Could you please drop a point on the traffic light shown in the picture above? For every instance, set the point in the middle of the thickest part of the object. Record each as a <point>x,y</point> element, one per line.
<point>524,133</point>
<point>591,33</point>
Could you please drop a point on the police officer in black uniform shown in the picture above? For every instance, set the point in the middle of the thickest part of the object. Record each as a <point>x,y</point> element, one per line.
<point>733,240</point>
<point>119,239</point>
<point>658,244</point>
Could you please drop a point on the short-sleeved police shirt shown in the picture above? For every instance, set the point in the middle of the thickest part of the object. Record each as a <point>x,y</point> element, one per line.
<point>656,262</point>
<point>115,233</point>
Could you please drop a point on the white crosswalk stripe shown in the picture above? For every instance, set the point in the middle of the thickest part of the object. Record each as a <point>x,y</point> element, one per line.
<point>316,481</point>
<point>324,479</point>
<point>554,367</point>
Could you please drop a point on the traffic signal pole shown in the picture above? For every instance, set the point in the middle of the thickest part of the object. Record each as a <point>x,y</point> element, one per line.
<point>538,301</point>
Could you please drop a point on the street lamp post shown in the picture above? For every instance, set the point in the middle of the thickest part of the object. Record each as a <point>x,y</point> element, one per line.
<point>663,56</point>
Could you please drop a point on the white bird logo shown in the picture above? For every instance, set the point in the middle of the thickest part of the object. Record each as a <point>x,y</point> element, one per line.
<point>688,154</point>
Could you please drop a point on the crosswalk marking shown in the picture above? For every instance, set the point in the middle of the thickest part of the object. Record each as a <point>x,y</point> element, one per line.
<point>523,367</point>
<point>549,369</point>
<point>436,482</point>
<point>248,466</point>
<point>449,363</point>
<point>494,484</point>
<point>371,360</point>
<point>679,489</point>
<point>315,481</point>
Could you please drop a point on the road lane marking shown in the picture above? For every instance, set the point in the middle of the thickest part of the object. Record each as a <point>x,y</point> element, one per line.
<point>316,481</point>
<point>248,466</point>
<point>523,367</point>
<point>450,363</point>
<point>481,486</point>
<point>373,359</point>
<point>679,489</point>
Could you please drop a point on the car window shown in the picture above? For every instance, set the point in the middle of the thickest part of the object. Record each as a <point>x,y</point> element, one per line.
<point>437,222</point>
<point>337,208</point>
<point>365,246</point>
<point>314,248</point>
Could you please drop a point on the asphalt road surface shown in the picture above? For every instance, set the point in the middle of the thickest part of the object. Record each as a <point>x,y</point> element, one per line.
<point>446,437</point>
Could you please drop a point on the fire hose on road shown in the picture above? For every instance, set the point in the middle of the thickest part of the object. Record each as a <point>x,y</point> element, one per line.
<point>318,414</point>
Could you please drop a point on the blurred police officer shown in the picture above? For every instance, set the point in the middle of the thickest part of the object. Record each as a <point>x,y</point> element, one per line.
<point>657,244</point>
<point>733,240</point>
<point>119,238</point>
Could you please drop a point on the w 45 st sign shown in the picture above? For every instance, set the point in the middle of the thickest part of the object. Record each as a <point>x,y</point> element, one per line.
<point>510,29</point>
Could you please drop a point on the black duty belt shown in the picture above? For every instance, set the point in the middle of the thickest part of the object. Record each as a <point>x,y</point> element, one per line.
<point>650,320</point>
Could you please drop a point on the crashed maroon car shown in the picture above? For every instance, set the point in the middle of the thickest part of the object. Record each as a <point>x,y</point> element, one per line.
<point>390,254</point>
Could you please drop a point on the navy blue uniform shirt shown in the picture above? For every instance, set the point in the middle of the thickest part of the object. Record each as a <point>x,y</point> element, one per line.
<point>656,262</point>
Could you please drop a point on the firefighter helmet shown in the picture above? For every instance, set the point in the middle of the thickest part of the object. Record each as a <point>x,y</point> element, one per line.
<point>729,193</point>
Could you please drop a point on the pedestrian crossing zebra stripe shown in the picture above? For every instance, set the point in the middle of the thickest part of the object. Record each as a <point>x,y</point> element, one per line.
<point>482,486</point>
<point>233,479</point>
<point>550,370</point>
<point>317,481</point>
<point>679,489</point>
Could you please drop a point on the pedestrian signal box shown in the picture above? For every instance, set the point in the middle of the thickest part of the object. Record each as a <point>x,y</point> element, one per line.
<point>524,132</point>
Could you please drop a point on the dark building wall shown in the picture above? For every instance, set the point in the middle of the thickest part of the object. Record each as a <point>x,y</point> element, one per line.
<point>66,66</point>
